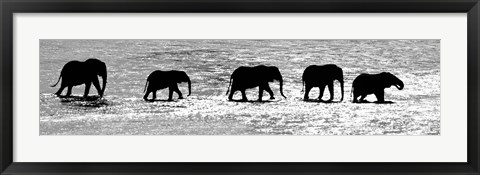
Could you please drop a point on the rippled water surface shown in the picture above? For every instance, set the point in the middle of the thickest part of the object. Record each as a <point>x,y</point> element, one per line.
<point>415,109</point>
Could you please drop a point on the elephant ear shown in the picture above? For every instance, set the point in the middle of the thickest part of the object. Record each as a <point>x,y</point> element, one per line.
<point>97,67</point>
<point>273,74</point>
<point>383,79</point>
<point>183,77</point>
<point>388,79</point>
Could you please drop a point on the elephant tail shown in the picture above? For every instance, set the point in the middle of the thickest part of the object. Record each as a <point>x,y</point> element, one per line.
<point>145,88</point>
<point>57,81</point>
<point>351,91</point>
<point>303,86</point>
<point>229,84</point>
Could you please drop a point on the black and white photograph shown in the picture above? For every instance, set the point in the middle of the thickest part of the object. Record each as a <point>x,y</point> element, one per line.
<point>240,87</point>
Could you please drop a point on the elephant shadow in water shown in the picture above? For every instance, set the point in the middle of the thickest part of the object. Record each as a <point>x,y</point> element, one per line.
<point>167,104</point>
<point>78,98</point>
<point>376,102</point>
<point>320,101</point>
<point>160,100</point>
<point>253,101</point>
<point>90,101</point>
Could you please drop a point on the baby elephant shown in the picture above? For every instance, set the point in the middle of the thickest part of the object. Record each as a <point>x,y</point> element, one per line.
<point>366,84</point>
<point>162,79</point>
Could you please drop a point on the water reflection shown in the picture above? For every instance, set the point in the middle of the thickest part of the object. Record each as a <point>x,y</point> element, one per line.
<point>80,101</point>
<point>209,63</point>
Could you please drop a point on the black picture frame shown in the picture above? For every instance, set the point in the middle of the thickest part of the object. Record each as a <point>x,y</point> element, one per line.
<point>9,7</point>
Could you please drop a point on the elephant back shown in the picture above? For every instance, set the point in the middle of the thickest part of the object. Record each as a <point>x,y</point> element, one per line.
<point>361,80</point>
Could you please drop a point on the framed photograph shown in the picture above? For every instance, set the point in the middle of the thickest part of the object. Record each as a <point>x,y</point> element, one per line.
<point>233,87</point>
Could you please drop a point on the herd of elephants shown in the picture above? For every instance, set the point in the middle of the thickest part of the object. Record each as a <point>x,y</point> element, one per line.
<point>241,79</point>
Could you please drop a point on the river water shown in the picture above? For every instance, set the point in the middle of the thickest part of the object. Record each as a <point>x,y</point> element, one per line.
<point>415,109</point>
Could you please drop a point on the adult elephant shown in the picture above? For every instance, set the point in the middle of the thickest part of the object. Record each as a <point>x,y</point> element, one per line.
<point>250,77</point>
<point>366,84</point>
<point>162,79</point>
<point>76,73</point>
<point>321,76</point>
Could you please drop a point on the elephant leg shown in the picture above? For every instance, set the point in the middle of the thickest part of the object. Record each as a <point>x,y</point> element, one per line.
<point>322,89</point>
<point>330,89</point>
<point>59,92</point>
<point>154,94</point>
<point>230,96</point>
<point>244,95</point>
<point>170,93</point>
<point>87,89</point>
<point>260,93</point>
<point>355,96</point>
<point>69,91</point>
<point>96,84</point>
<point>147,92</point>
<point>180,96</point>
<point>270,92</point>
<point>307,90</point>
<point>380,95</point>
<point>362,97</point>
<point>145,97</point>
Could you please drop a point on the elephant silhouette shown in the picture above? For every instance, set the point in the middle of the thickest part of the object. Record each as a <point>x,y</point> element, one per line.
<point>76,73</point>
<point>366,84</point>
<point>250,77</point>
<point>162,79</point>
<point>321,76</point>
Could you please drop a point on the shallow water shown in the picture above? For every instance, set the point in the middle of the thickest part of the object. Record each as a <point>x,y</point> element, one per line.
<point>415,109</point>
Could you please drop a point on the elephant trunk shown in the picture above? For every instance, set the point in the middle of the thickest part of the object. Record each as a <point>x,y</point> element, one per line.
<point>399,85</point>
<point>189,87</point>
<point>104,84</point>
<point>102,72</point>
<point>281,88</point>
<point>341,87</point>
